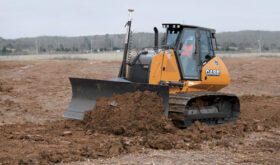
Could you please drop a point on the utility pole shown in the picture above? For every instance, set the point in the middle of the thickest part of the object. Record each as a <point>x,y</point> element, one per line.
<point>36,47</point>
<point>91,46</point>
<point>111,44</point>
<point>57,46</point>
<point>260,45</point>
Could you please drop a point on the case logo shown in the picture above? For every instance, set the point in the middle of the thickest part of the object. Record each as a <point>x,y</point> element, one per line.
<point>212,72</point>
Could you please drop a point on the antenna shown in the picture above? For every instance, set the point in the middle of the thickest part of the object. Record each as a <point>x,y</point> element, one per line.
<point>130,11</point>
<point>122,73</point>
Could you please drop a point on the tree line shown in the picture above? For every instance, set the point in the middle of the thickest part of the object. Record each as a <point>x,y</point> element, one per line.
<point>227,41</point>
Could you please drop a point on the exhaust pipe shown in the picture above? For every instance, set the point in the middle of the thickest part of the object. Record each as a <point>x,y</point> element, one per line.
<point>156,39</point>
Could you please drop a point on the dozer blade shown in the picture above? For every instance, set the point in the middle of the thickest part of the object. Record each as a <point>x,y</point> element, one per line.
<point>86,91</point>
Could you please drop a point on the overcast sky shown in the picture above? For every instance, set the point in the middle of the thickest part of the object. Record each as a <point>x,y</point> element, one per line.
<point>30,18</point>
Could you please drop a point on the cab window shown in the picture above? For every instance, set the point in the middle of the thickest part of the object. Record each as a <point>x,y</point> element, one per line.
<point>206,49</point>
<point>172,38</point>
<point>187,54</point>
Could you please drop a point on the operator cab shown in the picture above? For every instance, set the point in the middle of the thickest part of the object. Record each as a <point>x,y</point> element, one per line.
<point>193,47</point>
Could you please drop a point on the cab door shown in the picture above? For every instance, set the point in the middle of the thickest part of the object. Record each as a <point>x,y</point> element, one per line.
<point>188,55</point>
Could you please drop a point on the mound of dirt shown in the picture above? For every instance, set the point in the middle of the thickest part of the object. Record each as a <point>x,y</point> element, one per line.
<point>129,114</point>
<point>140,114</point>
<point>128,123</point>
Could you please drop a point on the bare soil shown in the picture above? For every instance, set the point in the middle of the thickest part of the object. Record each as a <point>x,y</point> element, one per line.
<point>130,114</point>
<point>253,76</point>
<point>33,96</point>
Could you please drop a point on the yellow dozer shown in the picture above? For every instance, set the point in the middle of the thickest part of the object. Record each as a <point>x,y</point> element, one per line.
<point>185,72</point>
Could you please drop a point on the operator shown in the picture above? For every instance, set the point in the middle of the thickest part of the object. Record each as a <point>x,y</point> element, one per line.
<point>188,48</point>
<point>187,57</point>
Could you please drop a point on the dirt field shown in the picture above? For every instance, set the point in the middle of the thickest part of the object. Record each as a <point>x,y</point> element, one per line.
<point>33,96</point>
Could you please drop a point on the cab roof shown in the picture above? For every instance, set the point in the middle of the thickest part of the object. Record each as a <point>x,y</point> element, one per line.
<point>175,26</point>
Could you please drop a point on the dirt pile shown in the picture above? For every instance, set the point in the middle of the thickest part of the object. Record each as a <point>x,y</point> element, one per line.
<point>139,114</point>
<point>130,114</point>
<point>72,140</point>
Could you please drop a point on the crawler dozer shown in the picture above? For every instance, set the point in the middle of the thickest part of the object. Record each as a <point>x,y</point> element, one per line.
<point>185,72</point>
